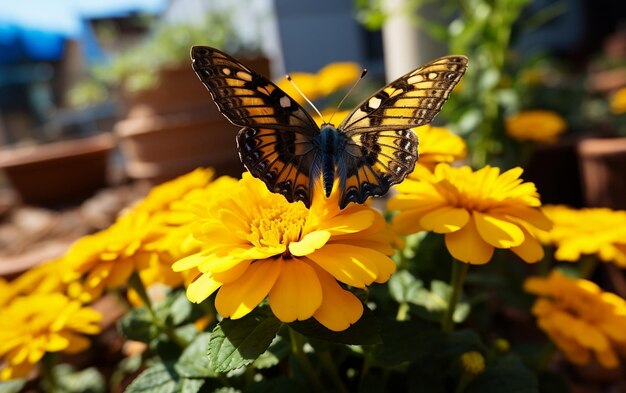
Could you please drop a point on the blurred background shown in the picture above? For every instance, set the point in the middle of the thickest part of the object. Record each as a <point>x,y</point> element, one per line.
<point>98,100</point>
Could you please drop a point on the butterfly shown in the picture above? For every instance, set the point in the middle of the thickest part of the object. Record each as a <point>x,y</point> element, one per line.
<point>372,149</point>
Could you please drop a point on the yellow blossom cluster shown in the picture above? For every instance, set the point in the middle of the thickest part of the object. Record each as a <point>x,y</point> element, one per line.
<point>617,101</point>
<point>581,319</point>
<point>439,145</point>
<point>590,231</point>
<point>476,210</point>
<point>535,126</point>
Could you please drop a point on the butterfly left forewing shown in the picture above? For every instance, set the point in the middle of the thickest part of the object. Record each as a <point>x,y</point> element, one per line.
<point>381,148</point>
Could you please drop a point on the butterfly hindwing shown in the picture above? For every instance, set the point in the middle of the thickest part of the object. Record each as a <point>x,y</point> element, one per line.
<point>284,160</point>
<point>382,149</point>
<point>247,98</point>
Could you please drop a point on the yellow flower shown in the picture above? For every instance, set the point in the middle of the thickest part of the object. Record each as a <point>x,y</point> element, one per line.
<point>306,82</point>
<point>32,325</point>
<point>473,362</point>
<point>108,258</point>
<point>6,292</point>
<point>535,126</point>
<point>437,145</point>
<point>477,211</point>
<point>580,318</point>
<point>160,197</point>
<point>337,75</point>
<point>255,244</point>
<point>618,101</point>
<point>337,116</point>
<point>599,231</point>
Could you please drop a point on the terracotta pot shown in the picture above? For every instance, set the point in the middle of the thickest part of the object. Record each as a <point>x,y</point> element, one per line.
<point>159,148</point>
<point>603,168</point>
<point>58,173</point>
<point>179,89</point>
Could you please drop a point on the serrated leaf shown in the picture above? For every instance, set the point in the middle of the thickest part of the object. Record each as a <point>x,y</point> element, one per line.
<point>403,286</point>
<point>12,386</point>
<point>508,374</point>
<point>364,332</point>
<point>137,325</point>
<point>191,385</point>
<point>277,351</point>
<point>194,362</point>
<point>159,378</point>
<point>237,343</point>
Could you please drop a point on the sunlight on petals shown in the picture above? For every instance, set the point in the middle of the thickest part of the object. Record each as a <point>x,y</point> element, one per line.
<point>339,308</point>
<point>445,219</point>
<point>309,243</point>
<point>238,298</point>
<point>351,265</point>
<point>498,232</point>
<point>467,246</point>
<point>297,292</point>
<point>202,287</point>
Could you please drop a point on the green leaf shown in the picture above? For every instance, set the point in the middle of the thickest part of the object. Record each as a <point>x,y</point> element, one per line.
<point>227,389</point>
<point>237,343</point>
<point>137,325</point>
<point>194,362</point>
<point>159,378</point>
<point>403,286</point>
<point>12,386</point>
<point>507,375</point>
<point>88,380</point>
<point>180,307</point>
<point>278,350</point>
<point>364,332</point>
<point>191,385</point>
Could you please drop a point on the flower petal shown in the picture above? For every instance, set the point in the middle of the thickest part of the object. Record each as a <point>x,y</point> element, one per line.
<point>238,298</point>
<point>497,231</point>
<point>352,265</point>
<point>466,245</point>
<point>445,219</point>
<point>297,292</point>
<point>202,287</point>
<point>530,250</point>
<point>339,308</point>
<point>309,243</point>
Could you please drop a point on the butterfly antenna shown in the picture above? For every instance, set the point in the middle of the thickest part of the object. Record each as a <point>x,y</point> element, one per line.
<point>363,73</point>
<point>305,97</point>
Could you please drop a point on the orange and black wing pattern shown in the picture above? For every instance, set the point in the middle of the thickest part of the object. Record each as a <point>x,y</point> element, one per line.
<point>382,148</point>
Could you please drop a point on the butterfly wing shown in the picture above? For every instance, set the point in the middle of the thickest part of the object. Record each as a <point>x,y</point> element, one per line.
<point>279,141</point>
<point>381,148</point>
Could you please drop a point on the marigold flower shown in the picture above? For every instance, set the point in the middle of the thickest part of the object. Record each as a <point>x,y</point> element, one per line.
<point>32,325</point>
<point>162,196</point>
<point>334,76</point>
<point>306,82</point>
<point>536,126</point>
<point>580,318</point>
<point>599,231</point>
<point>617,101</point>
<point>439,144</point>
<point>108,258</point>
<point>255,244</point>
<point>477,211</point>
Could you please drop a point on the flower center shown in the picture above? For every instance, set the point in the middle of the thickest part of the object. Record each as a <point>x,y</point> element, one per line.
<point>279,224</point>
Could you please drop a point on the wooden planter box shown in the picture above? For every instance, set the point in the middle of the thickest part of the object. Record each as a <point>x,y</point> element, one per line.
<point>603,168</point>
<point>59,173</point>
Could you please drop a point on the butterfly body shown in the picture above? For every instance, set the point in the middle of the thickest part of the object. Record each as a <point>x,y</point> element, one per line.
<point>372,149</point>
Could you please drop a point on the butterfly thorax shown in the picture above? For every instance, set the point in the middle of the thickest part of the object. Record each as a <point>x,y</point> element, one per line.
<point>332,144</point>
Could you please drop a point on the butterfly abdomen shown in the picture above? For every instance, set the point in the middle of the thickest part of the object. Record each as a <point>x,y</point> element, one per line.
<point>332,143</point>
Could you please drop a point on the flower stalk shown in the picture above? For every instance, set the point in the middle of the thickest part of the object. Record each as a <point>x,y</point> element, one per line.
<point>459,271</point>
<point>297,348</point>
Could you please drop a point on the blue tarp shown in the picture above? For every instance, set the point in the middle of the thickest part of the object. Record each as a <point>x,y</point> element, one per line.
<point>35,30</point>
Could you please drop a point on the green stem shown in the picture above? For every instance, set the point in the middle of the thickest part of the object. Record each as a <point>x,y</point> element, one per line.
<point>367,365</point>
<point>329,366</point>
<point>459,270</point>
<point>463,382</point>
<point>136,283</point>
<point>302,359</point>
<point>587,265</point>
<point>545,357</point>
<point>48,362</point>
<point>403,310</point>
